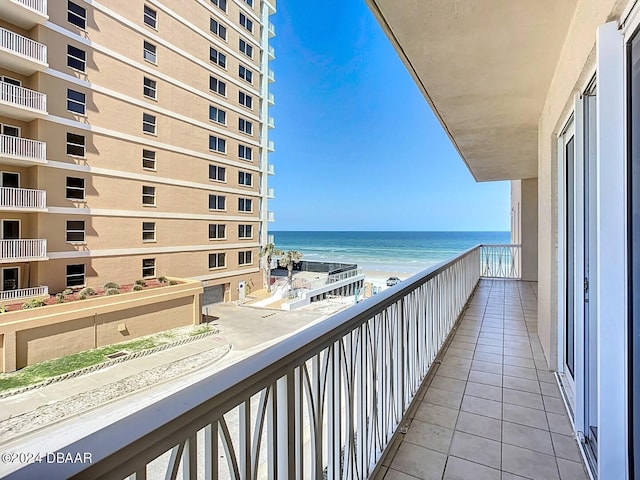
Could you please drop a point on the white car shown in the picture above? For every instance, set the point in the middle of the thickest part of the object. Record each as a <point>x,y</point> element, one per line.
<point>391,281</point>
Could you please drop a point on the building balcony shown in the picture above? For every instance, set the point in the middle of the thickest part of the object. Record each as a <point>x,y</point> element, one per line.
<point>23,199</point>
<point>12,251</point>
<point>271,76</point>
<point>271,217</point>
<point>271,28</point>
<point>271,122</point>
<point>24,13</point>
<point>271,53</point>
<point>271,193</point>
<point>271,169</point>
<point>21,54</point>
<point>21,103</point>
<point>271,146</point>
<point>271,99</point>
<point>22,151</point>
<point>22,293</point>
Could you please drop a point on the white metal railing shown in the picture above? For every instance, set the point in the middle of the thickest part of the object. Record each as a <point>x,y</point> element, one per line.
<point>271,122</point>
<point>271,170</point>
<point>23,46</point>
<point>24,148</point>
<point>22,198</point>
<point>272,52</point>
<point>327,401</point>
<point>336,277</point>
<point>23,97</point>
<point>272,29</point>
<point>271,146</point>
<point>23,249</point>
<point>271,217</point>
<point>23,293</point>
<point>271,76</point>
<point>38,5</point>
<point>500,261</point>
<point>271,99</point>
<point>270,193</point>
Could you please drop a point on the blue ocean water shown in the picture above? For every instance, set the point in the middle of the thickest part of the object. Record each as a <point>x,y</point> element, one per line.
<point>407,252</point>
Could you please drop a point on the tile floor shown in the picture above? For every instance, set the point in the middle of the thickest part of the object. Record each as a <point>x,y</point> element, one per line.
<point>492,410</point>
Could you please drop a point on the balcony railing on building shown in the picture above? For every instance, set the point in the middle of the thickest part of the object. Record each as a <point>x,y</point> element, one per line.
<point>20,293</point>
<point>23,250</point>
<point>271,170</point>
<point>500,261</point>
<point>271,52</point>
<point>271,146</point>
<point>271,99</point>
<point>271,76</point>
<point>271,123</point>
<point>22,151</point>
<point>271,29</point>
<point>21,54</point>
<point>271,217</point>
<point>22,199</point>
<point>270,193</point>
<point>24,13</point>
<point>22,103</point>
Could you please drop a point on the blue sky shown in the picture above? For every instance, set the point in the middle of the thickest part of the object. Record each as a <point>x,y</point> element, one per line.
<point>357,146</point>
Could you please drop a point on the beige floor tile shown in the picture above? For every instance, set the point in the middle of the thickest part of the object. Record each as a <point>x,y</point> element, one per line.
<point>550,389</point>
<point>488,357</point>
<point>486,378</point>
<point>437,414</point>
<point>524,416</point>
<point>482,390</point>
<point>511,476</point>
<point>459,469</point>
<point>522,384</point>
<point>476,449</point>
<point>458,337</point>
<point>527,437</point>
<point>520,372</point>
<point>443,397</point>
<point>559,423</point>
<point>462,345</point>
<point>554,405</point>
<point>461,373</point>
<point>419,462</point>
<point>528,463</point>
<point>429,436</point>
<point>482,406</point>
<point>455,361</point>
<point>488,367</point>
<point>519,352</point>
<point>457,352</point>
<point>490,341</point>
<point>566,447</point>
<point>392,474</point>
<point>546,377</point>
<point>479,425</point>
<point>571,470</point>
<point>524,399</point>
<point>449,384</point>
<point>497,350</point>
<point>518,361</point>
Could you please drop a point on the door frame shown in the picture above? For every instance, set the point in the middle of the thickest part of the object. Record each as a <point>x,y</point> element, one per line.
<point>11,220</point>
<point>2,172</point>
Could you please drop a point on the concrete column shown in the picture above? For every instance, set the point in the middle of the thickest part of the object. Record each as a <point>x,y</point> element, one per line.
<point>9,352</point>
<point>524,225</point>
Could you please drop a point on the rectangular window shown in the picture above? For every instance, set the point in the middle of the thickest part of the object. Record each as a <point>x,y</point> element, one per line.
<point>150,52</point>
<point>148,195</point>
<point>245,178</point>
<point>245,231</point>
<point>149,88</point>
<point>221,4</point>
<point>217,202</point>
<point>244,204</point>
<point>148,267</point>
<point>150,17</point>
<point>245,126</point>
<point>75,230</point>
<point>245,74</point>
<point>217,115</point>
<point>249,2</point>
<point>76,58</point>
<point>216,260</point>
<point>246,48</point>
<point>148,159</point>
<point>217,231</point>
<point>217,173</point>
<point>244,258</point>
<point>246,100</point>
<point>75,188</point>
<point>217,86</point>
<point>75,275</point>
<point>148,123</point>
<point>244,152</point>
<point>76,102</point>
<point>217,144</point>
<point>76,15</point>
<point>218,29</point>
<point>246,23</point>
<point>148,231</point>
<point>75,145</point>
<point>218,58</point>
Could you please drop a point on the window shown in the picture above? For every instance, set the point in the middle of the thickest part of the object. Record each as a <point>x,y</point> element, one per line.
<point>244,258</point>
<point>217,173</point>
<point>217,202</point>
<point>76,101</point>
<point>216,260</point>
<point>75,275</point>
<point>245,74</point>
<point>246,23</point>
<point>76,58</point>
<point>217,231</point>
<point>149,88</point>
<point>246,100</point>
<point>75,230</point>
<point>246,48</point>
<point>218,58</point>
<point>149,53</point>
<point>148,267</point>
<point>249,2</point>
<point>149,123</point>
<point>148,159</point>
<point>75,188</point>
<point>217,86</point>
<point>217,115</point>
<point>75,145</point>
<point>245,178</point>
<point>76,15</point>
<point>218,29</point>
<point>221,4</point>
<point>245,231</point>
<point>148,195</point>
<point>245,126</point>
<point>244,152</point>
<point>217,144</point>
<point>244,204</point>
<point>150,17</point>
<point>148,231</point>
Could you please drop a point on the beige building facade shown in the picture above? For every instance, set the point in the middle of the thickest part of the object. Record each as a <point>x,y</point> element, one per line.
<point>134,143</point>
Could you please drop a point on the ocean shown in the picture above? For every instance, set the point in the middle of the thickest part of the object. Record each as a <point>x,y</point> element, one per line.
<point>402,252</point>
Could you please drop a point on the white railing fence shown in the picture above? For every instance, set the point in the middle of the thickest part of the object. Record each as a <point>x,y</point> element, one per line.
<point>23,249</point>
<point>23,45</point>
<point>500,261</point>
<point>38,5</point>
<point>22,198</point>
<point>326,401</point>
<point>19,293</point>
<point>23,97</point>
<point>11,146</point>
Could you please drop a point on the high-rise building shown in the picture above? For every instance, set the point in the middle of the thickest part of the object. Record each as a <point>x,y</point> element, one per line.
<point>134,143</point>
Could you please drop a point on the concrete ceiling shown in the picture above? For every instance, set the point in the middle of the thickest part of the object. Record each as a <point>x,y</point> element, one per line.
<point>484,66</point>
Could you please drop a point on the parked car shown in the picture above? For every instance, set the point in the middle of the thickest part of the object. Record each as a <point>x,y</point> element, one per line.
<point>391,281</point>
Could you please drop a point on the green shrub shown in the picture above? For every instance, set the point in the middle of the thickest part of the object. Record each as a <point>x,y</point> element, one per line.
<point>34,303</point>
<point>173,282</point>
<point>67,291</point>
<point>163,279</point>
<point>137,287</point>
<point>141,282</point>
<point>112,291</point>
<point>86,292</point>
<point>3,309</point>
<point>60,297</point>
<point>110,285</point>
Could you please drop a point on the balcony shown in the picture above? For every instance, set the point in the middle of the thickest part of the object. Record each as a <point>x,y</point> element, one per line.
<point>271,193</point>
<point>22,293</point>
<point>21,54</point>
<point>271,122</point>
<point>24,13</point>
<point>271,146</point>
<point>271,28</point>
<point>271,169</point>
<point>271,99</point>
<point>271,53</point>
<point>271,76</point>
<point>12,251</point>
<point>23,199</point>
<point>22,151</point>
<point>21,103</point>
<point>271,217</point>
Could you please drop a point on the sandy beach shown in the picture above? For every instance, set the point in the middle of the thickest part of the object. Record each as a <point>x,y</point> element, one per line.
<point>379,278</point>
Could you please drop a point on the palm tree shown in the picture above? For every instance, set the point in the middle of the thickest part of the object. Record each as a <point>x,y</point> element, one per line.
<point>287,259</point>
<point>267,252</point>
